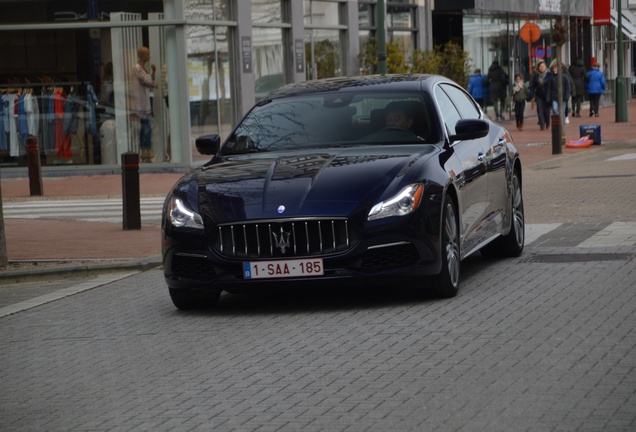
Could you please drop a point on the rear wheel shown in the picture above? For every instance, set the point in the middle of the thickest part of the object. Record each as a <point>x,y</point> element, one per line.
<point>188,300</point>
<point>446,283</point>
<point>511,244</point>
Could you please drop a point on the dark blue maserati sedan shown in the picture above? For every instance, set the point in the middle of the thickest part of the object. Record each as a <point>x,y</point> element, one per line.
<point>371,179</point>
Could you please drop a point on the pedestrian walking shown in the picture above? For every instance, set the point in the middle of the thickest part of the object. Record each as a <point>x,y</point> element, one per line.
<point>519,96</point>
<point>477,88</point>
<point>578,74</point>
<point>595,85</point>
<point>552,88</point>
<point>566,101</point>
<point>498,83</point>
<point>538,93</point>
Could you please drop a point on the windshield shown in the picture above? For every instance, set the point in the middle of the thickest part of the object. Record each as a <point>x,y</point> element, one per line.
<point>334,119</point>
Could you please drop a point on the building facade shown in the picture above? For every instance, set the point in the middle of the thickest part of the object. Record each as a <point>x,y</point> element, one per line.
<point>75,60</point>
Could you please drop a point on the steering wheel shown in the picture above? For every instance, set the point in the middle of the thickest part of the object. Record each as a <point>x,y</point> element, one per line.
<point>395,129</point>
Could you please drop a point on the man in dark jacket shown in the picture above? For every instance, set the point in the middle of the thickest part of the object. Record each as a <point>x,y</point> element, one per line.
<point>538,92</point>
<point>498,82</point>
<point>578,72</point>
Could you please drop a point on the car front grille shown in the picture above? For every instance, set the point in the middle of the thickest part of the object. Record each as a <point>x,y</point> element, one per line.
<point>284,238</point>
<point>391,256</point>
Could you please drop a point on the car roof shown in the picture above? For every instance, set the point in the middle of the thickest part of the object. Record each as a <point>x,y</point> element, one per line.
<point>366,83</point>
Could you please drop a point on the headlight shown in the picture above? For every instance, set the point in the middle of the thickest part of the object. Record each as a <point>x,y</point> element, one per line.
<point>180,216</point>
<point>401,204</point>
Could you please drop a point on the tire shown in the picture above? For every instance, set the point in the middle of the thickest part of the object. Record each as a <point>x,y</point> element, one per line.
<point>190,300</point>
<point>446,283</point>
<point>511,244</point>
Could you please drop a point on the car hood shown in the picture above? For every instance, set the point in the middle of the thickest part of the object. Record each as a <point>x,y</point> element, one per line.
<point>333,182</point>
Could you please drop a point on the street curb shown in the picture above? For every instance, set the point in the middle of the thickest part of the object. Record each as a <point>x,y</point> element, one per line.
<point>76,268</point>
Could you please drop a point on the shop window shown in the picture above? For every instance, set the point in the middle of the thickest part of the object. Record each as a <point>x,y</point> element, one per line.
<point>269,60</point>
<point>321,13</point>
<point>267,11</point>
<point>323,54</point>
<point>211,10</point>
<point>209,81</point>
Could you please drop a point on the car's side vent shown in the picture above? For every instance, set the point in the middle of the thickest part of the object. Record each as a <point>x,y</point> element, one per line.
<point>284,238</point>
<point>190,267</point>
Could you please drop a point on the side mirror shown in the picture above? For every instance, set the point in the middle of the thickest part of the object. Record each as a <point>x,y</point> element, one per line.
<point>467,129</point>
<point>208,144</point>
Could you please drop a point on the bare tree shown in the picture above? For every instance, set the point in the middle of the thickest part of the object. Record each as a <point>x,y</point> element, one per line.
<point>560,37</point>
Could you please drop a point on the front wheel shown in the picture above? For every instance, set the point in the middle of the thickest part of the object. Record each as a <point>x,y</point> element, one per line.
<point>446,283</point>
<point>511,244</point>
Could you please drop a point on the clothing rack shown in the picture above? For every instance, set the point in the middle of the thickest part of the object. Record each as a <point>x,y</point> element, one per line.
<point>40,84</point>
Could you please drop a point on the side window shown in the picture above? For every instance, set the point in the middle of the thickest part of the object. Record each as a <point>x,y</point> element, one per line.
<point>460,99</point>
<point>450,115</point>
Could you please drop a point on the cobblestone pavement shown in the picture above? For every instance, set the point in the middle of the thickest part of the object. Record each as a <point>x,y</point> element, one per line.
<point>542,343</point>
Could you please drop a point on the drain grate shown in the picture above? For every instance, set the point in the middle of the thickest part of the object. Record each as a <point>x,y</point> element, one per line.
<point>577,258</point>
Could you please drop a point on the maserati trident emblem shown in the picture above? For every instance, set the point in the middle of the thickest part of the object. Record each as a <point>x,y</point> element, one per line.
<point>281,240</point>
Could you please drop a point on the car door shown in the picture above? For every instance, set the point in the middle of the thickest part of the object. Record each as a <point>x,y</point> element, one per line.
<point>495,159</point>
<point>472,182</point>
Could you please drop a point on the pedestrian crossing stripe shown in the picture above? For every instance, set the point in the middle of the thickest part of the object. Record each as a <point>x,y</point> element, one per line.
<point>627,156</point>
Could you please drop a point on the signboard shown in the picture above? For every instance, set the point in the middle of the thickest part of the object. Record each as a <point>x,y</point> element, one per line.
<point>601,12</point>
<point>246,54</point>
<point>300,55</point>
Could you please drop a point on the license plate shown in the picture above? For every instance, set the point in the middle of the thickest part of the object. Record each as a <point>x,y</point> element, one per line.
<point>283,268</point>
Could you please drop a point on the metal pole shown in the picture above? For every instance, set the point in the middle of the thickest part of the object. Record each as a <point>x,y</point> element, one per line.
<point>35,171</point>
<point>381,32</point>
<point>621,89</point>
<point>130,191</point>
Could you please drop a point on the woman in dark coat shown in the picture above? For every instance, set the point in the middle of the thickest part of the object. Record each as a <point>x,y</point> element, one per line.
<point>498,82</point>
<point>578,72</point>
<point>552,88</point>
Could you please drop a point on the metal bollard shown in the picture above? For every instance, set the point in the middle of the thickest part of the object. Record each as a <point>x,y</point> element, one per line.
<point>556,134</point>
<point>35,171</point>
<point>130,191</point>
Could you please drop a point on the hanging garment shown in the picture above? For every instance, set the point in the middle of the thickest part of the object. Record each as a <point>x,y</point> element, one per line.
<point>91,102</point>
<point>4,132</point>
<point>62,140</point>
<point>23,126</point>
<point>71,113</point>
<point>11,125</point>
<point>32,109</point>
<point>48,124</point>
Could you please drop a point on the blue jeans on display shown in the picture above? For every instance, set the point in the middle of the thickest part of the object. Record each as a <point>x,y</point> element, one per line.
<point>145,133</point>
